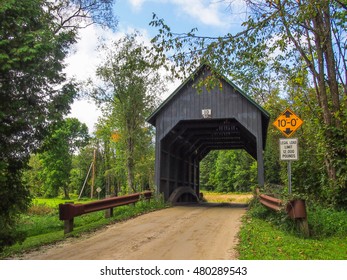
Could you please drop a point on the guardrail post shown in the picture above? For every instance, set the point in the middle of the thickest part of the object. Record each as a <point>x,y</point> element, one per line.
<point>68,224</point>
<point>109,213</point>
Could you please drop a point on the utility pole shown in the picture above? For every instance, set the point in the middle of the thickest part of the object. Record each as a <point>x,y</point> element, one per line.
<point>93,175</point>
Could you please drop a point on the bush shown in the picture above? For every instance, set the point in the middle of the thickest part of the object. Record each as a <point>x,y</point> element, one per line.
<point>326,222</point>
<point>323,222</point>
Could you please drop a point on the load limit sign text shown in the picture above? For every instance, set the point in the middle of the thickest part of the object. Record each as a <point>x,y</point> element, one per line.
<point>289,149</point>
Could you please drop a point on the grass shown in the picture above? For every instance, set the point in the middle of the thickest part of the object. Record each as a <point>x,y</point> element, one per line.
<point>227,197</point>
<point>41,225</point>
<point>265,235</point>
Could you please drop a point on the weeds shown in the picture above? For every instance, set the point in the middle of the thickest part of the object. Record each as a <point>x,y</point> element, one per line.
<point>268,235</point>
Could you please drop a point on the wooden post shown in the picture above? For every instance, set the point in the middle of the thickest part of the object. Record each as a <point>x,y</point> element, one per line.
<point>68,226</point>
<point>109,213</point>
<point>302,224</point>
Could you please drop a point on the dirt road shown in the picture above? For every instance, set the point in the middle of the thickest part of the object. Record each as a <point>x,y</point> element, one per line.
<point>178,233</point>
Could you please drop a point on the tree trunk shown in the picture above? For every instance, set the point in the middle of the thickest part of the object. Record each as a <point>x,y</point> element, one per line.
<point>66,193</point>
<point>130,165</point>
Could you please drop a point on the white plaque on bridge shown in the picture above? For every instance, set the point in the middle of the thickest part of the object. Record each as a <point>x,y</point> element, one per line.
<point>289,149</point>
<point>206,113</point>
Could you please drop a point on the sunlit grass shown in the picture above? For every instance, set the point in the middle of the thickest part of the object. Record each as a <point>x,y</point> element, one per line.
<point>266,235</point>
<point>214,197</point>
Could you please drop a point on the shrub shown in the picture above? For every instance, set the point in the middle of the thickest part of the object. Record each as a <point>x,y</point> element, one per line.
<point>325,222</point>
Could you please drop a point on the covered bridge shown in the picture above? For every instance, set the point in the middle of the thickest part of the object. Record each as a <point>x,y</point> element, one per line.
<point>190,124</point>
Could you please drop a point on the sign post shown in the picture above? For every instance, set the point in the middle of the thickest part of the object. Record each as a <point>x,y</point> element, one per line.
<point>289,151</point>
<point>288,122</point>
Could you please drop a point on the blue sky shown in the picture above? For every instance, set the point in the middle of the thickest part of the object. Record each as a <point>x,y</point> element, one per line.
<point>211,17</point>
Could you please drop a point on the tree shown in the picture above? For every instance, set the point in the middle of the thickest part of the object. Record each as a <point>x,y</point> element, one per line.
<point>35,37</point>
<point>282,38</point>
<point>67,138</point>
<point>131,84</point>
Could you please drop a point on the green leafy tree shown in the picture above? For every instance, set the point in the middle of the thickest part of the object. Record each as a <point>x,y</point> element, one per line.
<point>31,176</point>
<point>67,138</point>
<point>35,36</point>
<point>131,85</point>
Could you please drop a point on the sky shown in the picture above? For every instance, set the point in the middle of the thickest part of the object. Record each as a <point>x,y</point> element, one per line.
<point>210,17</point>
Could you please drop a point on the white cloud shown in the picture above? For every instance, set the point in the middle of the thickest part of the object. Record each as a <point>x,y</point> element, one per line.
<point>81,64</point>
<point>207,12</point>
<point>86,112</point>
<point>211,13</point>
<point>136,4</point>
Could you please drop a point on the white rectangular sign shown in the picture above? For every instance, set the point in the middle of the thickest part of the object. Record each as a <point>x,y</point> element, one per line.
<point>289,149</point>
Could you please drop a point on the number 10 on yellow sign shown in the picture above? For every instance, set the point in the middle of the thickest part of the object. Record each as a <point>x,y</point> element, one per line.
<point>288,122</point>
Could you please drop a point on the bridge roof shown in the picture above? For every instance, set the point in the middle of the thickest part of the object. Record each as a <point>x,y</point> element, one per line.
<point>152,118</point>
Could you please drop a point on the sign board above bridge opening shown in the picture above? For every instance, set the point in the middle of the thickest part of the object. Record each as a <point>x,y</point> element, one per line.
<point>288,122</point>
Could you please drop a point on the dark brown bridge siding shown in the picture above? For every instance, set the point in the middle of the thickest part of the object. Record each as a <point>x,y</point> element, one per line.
<point>177,158</point>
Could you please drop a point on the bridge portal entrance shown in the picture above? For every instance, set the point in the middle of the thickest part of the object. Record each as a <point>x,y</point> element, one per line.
<point>190,124</point>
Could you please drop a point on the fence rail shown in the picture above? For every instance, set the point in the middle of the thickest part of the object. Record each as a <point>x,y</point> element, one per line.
<point>68,211</point>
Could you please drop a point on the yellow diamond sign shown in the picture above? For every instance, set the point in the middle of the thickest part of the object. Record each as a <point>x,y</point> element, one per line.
<point>288,122</point>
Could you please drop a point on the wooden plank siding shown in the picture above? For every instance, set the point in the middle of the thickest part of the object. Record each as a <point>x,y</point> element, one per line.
<point>184,137</point>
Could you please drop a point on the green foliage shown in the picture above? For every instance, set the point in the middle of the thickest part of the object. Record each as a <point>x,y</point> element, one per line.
<point>49,171</point>
<point>131,83</point>
<point>327,222</point>
<point>67,137</point>
<point>228,171</point>
<point>35,36</point>
<point>260,240</point>
<point>266,235</point>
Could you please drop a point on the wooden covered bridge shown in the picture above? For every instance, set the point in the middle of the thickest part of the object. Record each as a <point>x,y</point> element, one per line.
<point>190,124</point>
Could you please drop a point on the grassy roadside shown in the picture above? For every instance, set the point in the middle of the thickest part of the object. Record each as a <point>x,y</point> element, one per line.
<point>41,225</point>
<point>265,235</point>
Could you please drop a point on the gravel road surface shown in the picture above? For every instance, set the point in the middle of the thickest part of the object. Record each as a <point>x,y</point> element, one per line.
<point>190,232</point>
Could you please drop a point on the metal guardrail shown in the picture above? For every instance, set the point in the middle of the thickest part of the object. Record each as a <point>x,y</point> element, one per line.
<point>270,202</point>
<point>296,209</point>
<point>68,211</point>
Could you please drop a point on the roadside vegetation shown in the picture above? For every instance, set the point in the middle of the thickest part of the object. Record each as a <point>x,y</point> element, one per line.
<point>290,54</point>
<point>41,224</point>
<point>266,235</point>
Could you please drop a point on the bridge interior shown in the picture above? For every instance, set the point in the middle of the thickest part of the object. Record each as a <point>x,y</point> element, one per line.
<point>190,141</point>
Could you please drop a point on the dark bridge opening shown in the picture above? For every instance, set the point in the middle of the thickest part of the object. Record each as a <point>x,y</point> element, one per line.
<point>185,133</point>
<point>189,142</point>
